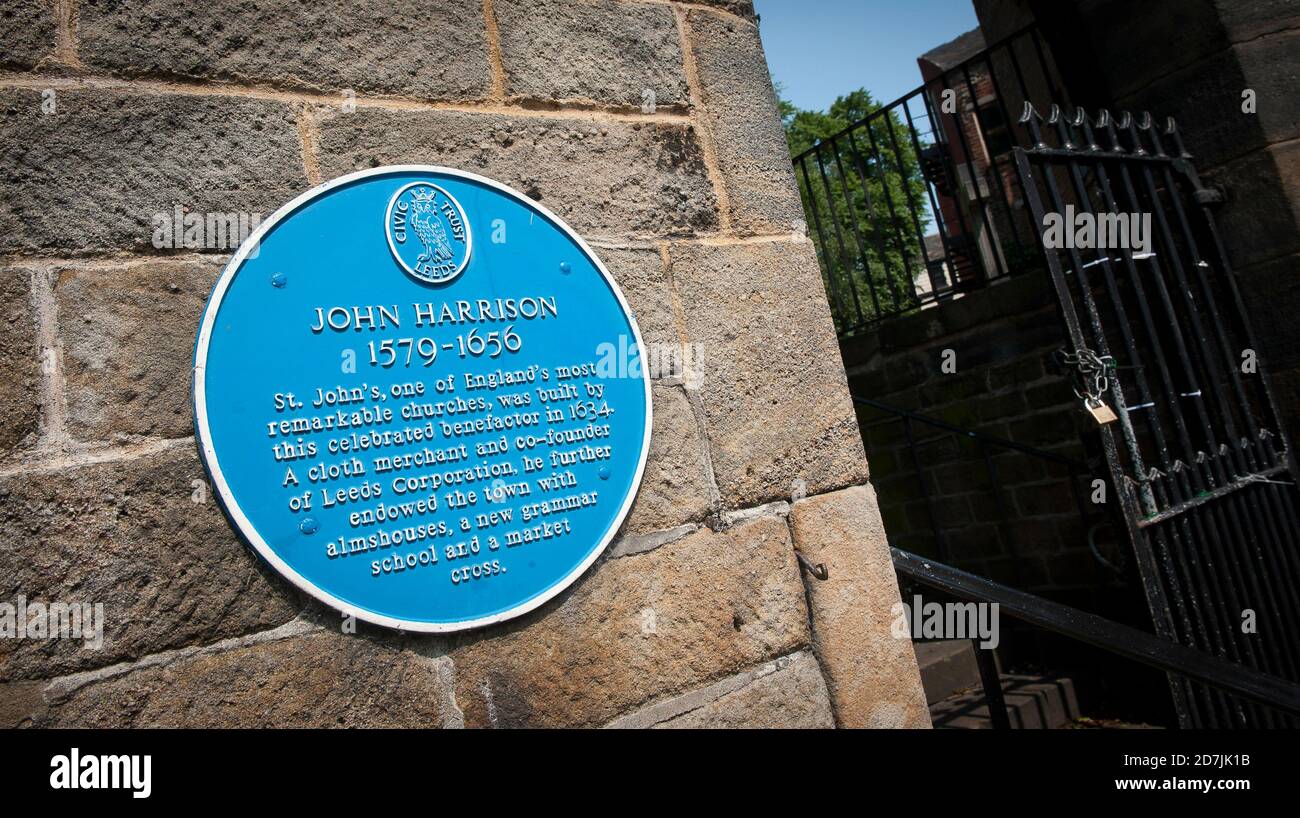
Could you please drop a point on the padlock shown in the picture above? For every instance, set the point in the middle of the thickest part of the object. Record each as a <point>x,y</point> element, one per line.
<point>1100,412</point>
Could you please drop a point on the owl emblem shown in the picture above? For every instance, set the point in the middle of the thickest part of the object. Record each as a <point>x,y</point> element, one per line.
<point>428,232</point>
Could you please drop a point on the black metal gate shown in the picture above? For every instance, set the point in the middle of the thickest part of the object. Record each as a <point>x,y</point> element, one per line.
<point>1166,366</point>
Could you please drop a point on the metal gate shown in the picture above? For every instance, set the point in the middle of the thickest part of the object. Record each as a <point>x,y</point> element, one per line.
<point>1166,365</point>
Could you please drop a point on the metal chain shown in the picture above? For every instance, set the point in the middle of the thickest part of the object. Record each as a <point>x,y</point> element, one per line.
<point>1092,372</point>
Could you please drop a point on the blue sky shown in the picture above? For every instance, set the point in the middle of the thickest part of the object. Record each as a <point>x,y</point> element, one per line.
<point>820,49</point>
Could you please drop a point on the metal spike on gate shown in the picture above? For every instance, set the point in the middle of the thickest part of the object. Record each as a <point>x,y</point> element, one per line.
<point>1057,119</point>
<point>1172,131</point>
<point>1130,125</point>
<point>1082,122</point>
<point>1146,124</point>
<point>1107,122</point>
<point>1031,117</point>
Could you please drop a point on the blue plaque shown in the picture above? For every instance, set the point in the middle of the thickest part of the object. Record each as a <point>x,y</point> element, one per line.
<point>420,397</point>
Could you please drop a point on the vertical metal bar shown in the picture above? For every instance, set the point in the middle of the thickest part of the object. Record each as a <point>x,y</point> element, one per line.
<point>1086,298</point>
<point>988,154</point>
<point>1117,305</point>
<point>835,222</point>
<point>991,683</point>
<point>1009,122</point>
<point>1173,323</point>
<point>822,246</point>
<point>857,235</point>
<point>1186,592</point>
<point>1144,309</point>
<point>907,189</point>
<point>889,202</point>
<point>941,229</point>
<point>1190,310</point>
<point>875,228</point>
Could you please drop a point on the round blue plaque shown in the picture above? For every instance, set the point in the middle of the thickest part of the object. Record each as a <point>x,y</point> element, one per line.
<point>420,397</point>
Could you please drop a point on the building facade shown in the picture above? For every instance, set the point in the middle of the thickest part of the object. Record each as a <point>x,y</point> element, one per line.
<point>139,136</point>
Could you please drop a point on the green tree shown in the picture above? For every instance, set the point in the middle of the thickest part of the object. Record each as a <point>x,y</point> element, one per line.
<point>865,202</point>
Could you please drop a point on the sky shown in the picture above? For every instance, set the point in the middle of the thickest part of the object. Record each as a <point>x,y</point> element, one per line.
<point>820,49</point>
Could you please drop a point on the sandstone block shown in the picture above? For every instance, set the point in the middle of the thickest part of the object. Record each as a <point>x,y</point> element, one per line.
<point>702,608</point>
<point>775,398</point>
<point>128,345</point>
<point>401,48</point>
<point>601,51</point>
<point>129,535</point>
<point>873,677</point>
<point>27,31</point>
<point>740,108</point>
<point>675,486</point>
<point>789,693</point>
<point>93,175</point>
<point>323,679</point>
<point>603,177</point>
<point>19,361</point>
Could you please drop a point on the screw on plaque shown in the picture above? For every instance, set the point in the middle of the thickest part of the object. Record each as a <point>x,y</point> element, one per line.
<point>817,569</point>
<point>278,280</point>
<point>565,268</point>
<point>603,472</point>
<point>309,526</point>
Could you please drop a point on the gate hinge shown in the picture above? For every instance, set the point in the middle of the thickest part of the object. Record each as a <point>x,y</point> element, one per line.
<point>1212,195</point>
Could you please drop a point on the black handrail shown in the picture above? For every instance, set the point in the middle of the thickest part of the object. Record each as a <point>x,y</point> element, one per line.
<point>1110,636</point>
<point>971,433</point>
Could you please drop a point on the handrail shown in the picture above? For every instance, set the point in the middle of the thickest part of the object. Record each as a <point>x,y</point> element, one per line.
<point>972,434</point>
<point>1118,639</point>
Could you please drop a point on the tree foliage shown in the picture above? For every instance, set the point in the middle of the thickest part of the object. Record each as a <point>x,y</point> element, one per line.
<point>865,202</point>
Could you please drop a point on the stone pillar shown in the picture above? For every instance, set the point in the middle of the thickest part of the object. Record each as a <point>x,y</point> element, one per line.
<point>651,128</point>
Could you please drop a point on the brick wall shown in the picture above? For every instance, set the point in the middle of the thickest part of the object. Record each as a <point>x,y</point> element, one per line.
<point>111,112</point>
<point>1001,340</point>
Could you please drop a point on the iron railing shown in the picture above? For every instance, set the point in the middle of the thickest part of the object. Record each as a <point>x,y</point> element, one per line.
<point>1182,662</point>
<point>920,200</point>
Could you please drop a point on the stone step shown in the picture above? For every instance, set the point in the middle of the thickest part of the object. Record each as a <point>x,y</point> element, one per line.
<point>1033,703</point>
<point>947,667</point>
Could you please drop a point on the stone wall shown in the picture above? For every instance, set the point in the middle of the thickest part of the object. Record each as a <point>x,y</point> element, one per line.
<point>699,614</point>
<point>1026,530</point>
